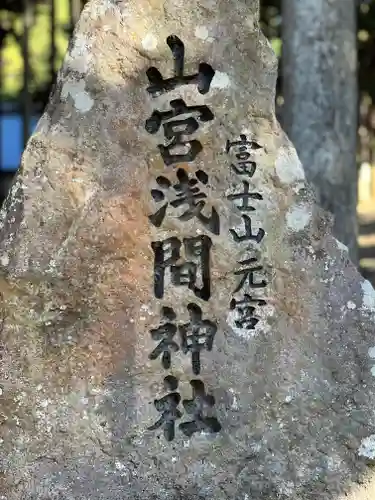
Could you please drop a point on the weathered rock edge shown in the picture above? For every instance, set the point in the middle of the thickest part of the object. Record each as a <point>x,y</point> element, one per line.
<point>296,400</point>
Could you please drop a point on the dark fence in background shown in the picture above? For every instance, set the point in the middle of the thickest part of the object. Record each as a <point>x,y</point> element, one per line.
<point>33,38</point>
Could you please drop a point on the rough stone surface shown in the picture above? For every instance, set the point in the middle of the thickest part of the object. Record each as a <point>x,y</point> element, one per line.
<point>295,396</point>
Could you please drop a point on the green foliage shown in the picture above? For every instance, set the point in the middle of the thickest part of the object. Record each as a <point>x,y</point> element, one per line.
<point>276,46</point>
<point>40,37</point>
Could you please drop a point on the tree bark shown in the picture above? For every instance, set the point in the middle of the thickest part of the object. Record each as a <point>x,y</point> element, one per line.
<point>320,108</point>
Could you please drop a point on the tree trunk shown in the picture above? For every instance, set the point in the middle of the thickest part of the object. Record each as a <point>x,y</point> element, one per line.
<point>320,108</point>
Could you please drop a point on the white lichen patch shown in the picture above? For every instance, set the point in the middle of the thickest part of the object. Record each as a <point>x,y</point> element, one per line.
<point>371,353</point>
<point>145,309</point>
<point>351,305</point>
<point>368,297</point>
<point>58,129</point>
<point>341,245</point>
<point>269,202</point>
<point>80,46</point>
<point>120,465</point>
<point>100,9</point>
<point>16,200</point>
<point>4,260</point>
<point>298,217</point>
<point>202,33</point>
<point>80,56</point>
<point>220,80</point>
<point>288,167</point>
<point>43,125</point>
<point>149,42</point>
<point>76,90</point>
<point>234,404</point>
<point>333,463</point>
<point>367,448</point>
<point>250,23</point>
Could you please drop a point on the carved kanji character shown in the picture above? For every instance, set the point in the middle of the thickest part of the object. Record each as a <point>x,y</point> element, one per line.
<point>247,168</point>
<point>175,130</point>
<point>197,252</point>
<point>243,165</point>
<point>248,274</point>
<point>186,192</point>
<point>168,407</point>
<point>165,333</point>
<point>246,309</point>
<point>244,197</point>
<point>199,407</point>
<point>196,335</point>
<point>248,236</point>
<point>159,85</point>
<point>242,145</point>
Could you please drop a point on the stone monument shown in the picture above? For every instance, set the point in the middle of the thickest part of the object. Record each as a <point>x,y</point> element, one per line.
<point>177,322</point>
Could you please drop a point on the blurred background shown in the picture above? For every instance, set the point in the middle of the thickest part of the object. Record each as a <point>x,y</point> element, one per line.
<point>313,40</point>
<point>34,37</point>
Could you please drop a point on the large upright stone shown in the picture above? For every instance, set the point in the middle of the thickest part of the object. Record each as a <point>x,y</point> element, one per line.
<point>178,322</point>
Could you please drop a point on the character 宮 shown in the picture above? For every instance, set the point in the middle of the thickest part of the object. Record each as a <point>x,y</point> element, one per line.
<point>178,123</point>
<point>245,309</point>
